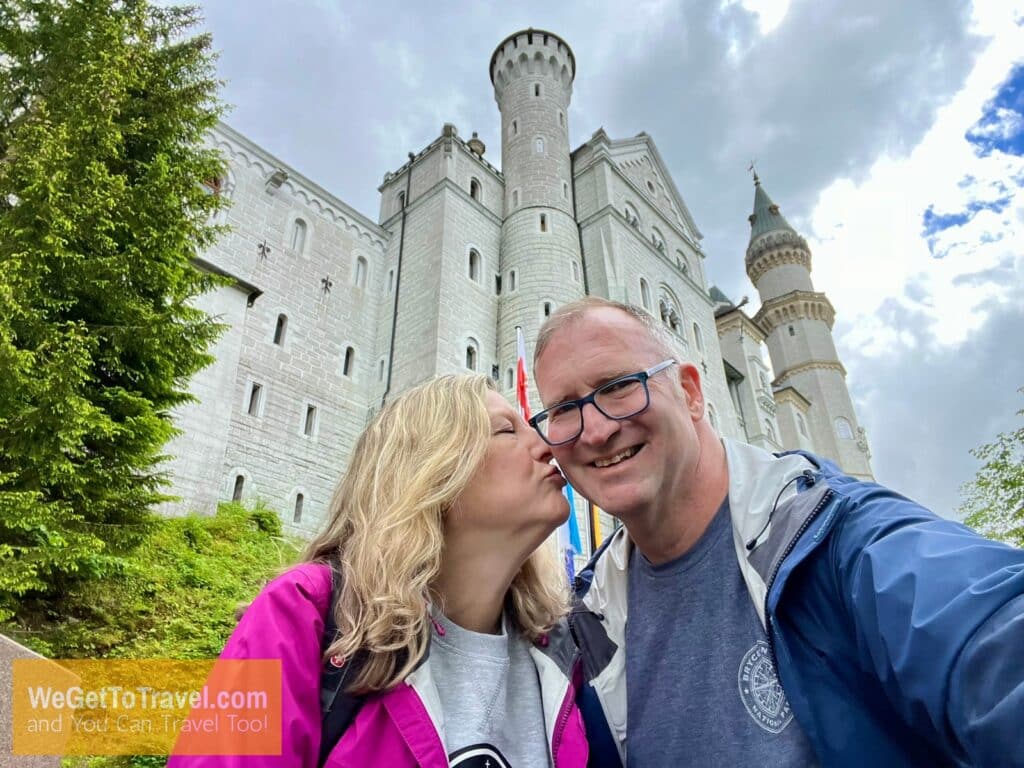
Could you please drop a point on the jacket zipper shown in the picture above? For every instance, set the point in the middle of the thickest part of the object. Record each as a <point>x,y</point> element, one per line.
<point>775,572</point>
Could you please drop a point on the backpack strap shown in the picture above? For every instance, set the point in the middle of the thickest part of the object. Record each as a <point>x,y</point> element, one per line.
<point>338,707</point>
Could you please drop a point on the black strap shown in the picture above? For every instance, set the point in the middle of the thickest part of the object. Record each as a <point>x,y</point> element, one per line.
<point>338,707</point>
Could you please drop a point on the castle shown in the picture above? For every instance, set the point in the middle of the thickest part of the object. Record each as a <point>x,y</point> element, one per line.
<point>330,313</point>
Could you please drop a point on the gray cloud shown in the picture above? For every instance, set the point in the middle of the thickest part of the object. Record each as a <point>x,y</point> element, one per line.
<point>924,414</point>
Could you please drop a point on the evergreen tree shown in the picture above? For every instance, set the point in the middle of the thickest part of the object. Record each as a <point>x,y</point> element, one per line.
<point>994,499</point>
<point>104,106</point>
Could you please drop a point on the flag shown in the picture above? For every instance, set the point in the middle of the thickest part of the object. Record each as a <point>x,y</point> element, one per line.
<point>569,535</point>
<point>595,527</point>
<point>521,382</point>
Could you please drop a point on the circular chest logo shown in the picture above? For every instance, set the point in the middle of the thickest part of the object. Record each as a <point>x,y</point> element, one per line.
<point>761,691</point>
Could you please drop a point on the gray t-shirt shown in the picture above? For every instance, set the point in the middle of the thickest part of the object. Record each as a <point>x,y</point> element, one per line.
<point>701,686</point>
<point>490,694</point>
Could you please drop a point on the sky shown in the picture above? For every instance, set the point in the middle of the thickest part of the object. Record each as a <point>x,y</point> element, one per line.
<point>891,135</point>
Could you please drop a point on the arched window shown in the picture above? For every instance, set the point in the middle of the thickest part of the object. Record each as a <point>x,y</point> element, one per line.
<point>511,280</point>
<point>298,241</point>
<point>770,431</point>
<point>576,271</point>
<point>280,329</point>
<point>645,294</point>
<point>309,425</point>
<point>474,265</point>
<point>538,145</point>
<point>515,198</point>
<point>380,372</point>
<point>762,377</point>
<point>350,362</point>
<point>565,190</point>
<point>474,189</point>
<point>401,200</point>
<point>536,89</point>
<point>236,494</point>
<point>682,262</point>
<point>698,337</point>
<point>391,280</point>
<point>299,501</point>
<point>843,429</point>
<point>801,424</point>
<point>472,353</point>
<point>543,222</point>
<point>361,268</point>
<point>547,308</point>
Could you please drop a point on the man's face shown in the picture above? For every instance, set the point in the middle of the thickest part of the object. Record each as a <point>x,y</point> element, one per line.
<point>635,465</point>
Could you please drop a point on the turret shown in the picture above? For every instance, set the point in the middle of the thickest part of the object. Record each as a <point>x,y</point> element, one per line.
<point>532,72</point>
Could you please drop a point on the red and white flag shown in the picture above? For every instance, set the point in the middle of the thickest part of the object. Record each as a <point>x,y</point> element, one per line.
<point>521,383</point>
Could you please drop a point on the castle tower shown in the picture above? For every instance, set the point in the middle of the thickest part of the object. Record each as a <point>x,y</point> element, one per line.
<point>798,323</point>
<point>532,72</point>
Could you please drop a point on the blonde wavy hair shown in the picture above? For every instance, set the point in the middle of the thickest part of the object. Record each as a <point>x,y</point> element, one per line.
<point>385,528</point>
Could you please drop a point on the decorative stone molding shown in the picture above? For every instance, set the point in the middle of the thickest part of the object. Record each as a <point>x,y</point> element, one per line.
<point>795,305</point>
<point>736,320</point>
<point>774,239</point>
<point>242,153</point>
<point>766,403</point>
<point>827,365</point>
<point>769,259</point>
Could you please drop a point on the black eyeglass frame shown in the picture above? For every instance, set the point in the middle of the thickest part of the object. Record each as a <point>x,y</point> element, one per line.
<point>641,376</point>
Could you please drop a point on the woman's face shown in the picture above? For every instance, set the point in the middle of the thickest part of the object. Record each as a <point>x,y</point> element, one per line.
<point>516,490</point>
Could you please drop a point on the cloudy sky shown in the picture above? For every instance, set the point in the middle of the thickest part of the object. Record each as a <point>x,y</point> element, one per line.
<point>891,134</point>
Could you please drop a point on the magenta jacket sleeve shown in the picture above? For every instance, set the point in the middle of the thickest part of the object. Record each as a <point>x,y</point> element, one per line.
<point>286,622</point>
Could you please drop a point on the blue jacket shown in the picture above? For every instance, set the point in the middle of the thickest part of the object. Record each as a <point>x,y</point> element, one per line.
<point>898,635</point>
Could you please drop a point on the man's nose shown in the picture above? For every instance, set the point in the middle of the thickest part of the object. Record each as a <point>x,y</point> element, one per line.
<point>597,428</point>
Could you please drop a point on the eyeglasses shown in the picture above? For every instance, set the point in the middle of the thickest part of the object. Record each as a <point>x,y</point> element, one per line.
<point>618,399</point>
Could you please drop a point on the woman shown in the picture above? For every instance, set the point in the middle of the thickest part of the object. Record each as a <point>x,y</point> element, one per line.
<point>448,607</point>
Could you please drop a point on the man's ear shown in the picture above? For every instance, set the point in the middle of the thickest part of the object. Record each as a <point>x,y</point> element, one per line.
<point>689,380</point>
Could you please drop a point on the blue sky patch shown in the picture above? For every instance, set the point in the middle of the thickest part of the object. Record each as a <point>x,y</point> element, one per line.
<point>1001,126</point>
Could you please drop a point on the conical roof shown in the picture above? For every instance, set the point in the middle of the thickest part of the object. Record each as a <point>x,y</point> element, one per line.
<point>766,216</point>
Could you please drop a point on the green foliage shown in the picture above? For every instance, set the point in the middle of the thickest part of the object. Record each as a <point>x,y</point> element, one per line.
<point>175,596</point>
<point>104,105</point>
<point>994,499</point>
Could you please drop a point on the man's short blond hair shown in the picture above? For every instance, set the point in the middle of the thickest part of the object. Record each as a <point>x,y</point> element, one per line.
<point>574,311</point>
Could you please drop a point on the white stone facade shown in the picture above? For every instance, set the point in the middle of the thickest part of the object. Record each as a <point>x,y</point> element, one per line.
<point>331,312</point>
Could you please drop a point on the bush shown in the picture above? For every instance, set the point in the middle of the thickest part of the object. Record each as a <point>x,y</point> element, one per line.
<point>174,597</point>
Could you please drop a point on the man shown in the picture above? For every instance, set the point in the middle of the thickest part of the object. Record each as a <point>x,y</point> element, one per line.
<point>779,612</point>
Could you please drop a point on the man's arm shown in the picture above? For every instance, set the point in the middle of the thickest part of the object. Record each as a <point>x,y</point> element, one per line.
<point>938,613</point>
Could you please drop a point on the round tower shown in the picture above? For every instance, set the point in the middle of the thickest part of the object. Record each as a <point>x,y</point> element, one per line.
<point>532,72</point>
<point>797,322</point>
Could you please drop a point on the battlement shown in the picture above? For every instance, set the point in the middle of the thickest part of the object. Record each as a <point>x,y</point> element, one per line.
<point>532,53</point>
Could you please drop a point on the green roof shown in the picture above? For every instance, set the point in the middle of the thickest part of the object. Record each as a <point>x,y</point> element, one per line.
<point>766,216</point>
<point>717,296</point>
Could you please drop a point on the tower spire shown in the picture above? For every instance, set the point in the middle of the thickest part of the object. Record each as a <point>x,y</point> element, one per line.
<point>766,216</point>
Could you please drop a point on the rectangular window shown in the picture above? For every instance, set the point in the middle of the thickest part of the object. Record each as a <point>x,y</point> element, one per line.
<point>543,222</point>
<point>255,396</point>
<point>309,428</point>
<point>497,285</point>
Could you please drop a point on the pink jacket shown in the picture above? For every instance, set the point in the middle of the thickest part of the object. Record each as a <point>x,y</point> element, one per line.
<point>394,729</point>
